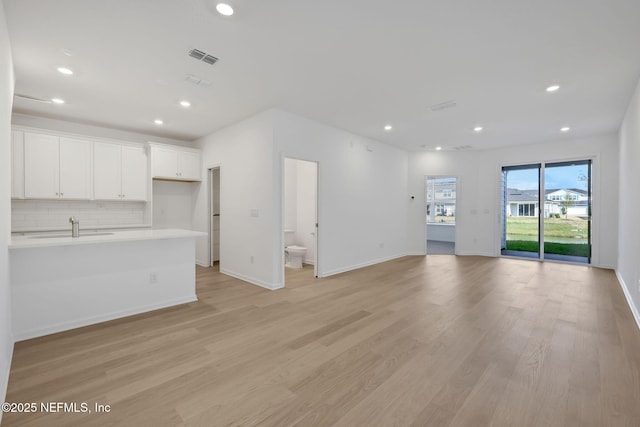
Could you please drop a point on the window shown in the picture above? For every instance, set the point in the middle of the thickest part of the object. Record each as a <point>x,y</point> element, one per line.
<point>441,200</point>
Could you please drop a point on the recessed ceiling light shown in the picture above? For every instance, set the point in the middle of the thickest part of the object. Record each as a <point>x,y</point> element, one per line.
<point>565,129</point>
<point>57,100</point>
<point>553,88</point>
<point>185,104</point>
<point>158,121</point>
<point>65,71</point>
<point>438,148</point>
<point>478,129</point>
<point>224,9</point>
<point>388,127</point>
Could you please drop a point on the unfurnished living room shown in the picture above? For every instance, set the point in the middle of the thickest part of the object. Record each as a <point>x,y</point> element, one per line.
<point>331,213</point>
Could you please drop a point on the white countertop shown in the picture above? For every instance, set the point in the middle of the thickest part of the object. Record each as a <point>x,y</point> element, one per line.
<point>92,238</point>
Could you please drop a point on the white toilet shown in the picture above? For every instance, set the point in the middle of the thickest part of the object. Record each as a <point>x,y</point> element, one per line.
<point>293,254</point>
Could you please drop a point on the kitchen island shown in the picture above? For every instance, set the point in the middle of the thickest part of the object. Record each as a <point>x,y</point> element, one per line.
<point>61,283</point>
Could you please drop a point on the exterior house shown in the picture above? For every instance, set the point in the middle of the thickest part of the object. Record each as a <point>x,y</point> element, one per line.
<point>524,203</point>
<point>441,198</point>
<point>575,200</point>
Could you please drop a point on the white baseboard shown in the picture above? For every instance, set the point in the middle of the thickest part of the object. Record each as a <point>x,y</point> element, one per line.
<point>78,323</point>
<point>253,280</point>
<point>361,265</point>
<point>465,253</point>
<point>627,295</point>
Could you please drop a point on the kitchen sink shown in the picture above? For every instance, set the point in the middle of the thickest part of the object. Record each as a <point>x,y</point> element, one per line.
<point>57,236</point>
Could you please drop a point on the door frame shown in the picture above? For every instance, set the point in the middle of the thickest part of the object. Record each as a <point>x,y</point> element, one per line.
<point>457,230</point>
<point>316,266</point>
<point>594,259</point>
<point>210,213</point>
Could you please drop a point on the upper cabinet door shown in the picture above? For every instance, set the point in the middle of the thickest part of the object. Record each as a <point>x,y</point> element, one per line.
<point>107,183</point>
<point>41,166</point>
<point>17,165</point>
<point>134,173</point>
<point>189,165</point>
<point>165,163</point>
<point>75,169</point>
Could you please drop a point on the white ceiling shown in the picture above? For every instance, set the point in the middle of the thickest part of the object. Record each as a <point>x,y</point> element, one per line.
<point>353,64</point>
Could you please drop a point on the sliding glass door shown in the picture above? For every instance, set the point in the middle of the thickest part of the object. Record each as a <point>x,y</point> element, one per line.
<point>521,213</point>
<point>546,211</point>
<point>567,218</point>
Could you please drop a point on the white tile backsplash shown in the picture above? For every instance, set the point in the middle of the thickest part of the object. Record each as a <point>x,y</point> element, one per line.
<point>34,215</point>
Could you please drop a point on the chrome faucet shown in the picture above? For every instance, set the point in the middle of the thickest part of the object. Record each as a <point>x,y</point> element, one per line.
<point>75,227</point>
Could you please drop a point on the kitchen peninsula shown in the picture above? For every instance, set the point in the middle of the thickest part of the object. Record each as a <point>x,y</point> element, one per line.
<point>60,283</point>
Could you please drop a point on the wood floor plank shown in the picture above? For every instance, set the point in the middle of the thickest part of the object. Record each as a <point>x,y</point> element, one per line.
<point>418,341</point>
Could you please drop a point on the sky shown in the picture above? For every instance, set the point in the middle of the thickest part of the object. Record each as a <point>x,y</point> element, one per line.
<point>554,177</point>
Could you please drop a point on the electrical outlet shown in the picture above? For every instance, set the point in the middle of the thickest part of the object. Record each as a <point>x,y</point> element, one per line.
<point>153,278</point>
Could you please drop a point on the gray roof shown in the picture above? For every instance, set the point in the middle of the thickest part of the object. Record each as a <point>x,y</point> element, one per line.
<point>515,195</point>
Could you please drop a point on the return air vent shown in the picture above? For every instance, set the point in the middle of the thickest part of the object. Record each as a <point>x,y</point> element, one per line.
<point>203,56</point>
<point>191,78</point>
<point>443,106</point>
<point>462,147</point>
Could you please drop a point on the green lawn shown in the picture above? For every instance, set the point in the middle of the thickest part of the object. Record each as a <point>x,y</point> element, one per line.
<point>522,235</point>
<point>573,249</point>
<point>571,227</point>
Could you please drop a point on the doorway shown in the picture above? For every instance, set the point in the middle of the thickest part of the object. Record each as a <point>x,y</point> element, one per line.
<point>300,218</point>
<point>214,217</point>
<point>546,211</point>
<point>441,195</point>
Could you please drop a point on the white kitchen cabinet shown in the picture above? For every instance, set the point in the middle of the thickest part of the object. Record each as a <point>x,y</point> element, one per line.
<point>175,163</point>
<point>56,167</point>
<point>75,169</point>
<point>120,172</point>
<point>17,165</point>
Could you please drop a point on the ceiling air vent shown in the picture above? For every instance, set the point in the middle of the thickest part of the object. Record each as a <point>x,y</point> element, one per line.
<point>203,56</point>
<point>210,59</point>
<point>462,147</point>
<point>443,105</point>
<point>198,54</point>
<point>197,80</point>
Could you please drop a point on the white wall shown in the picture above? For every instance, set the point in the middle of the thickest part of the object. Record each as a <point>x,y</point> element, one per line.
<point>362,197</point>
<point>306,209</point>
<point>290,194</point>
<point>6,99</point>
<point>173,203</point>
<point>478,173</point>
<point>362,207</point>
<point>244,152</point>
<point>629,242</point>
<point>441,232</point>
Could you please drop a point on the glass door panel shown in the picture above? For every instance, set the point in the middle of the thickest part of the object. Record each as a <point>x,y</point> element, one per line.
<point>520,211</point>
<point>567,211</point>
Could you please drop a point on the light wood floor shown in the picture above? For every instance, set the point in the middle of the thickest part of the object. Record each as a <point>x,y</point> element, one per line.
<point>438,340</point>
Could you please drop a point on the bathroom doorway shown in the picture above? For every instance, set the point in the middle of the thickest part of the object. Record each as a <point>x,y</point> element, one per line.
<point>214,217</point>
<point>300,218</point>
